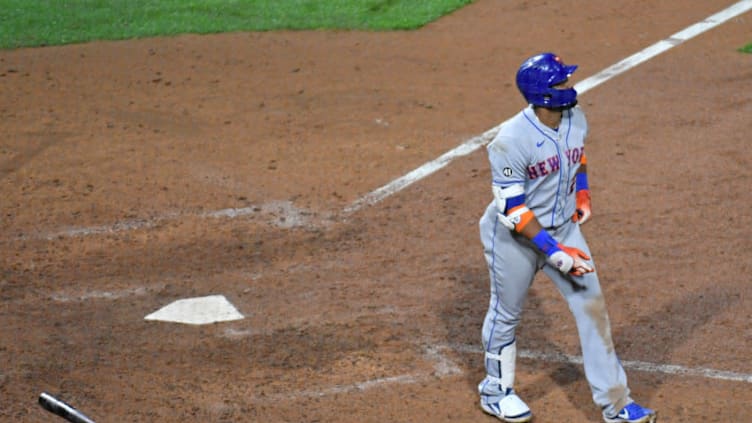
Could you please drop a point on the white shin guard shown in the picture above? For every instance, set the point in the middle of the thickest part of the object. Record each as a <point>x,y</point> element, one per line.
<point>507,359</point>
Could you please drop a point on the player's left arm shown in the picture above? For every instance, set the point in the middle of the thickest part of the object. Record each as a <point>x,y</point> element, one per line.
<point>582,194</point>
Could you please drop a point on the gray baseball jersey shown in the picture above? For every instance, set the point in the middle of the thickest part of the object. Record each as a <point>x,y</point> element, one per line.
<point>544,161</point>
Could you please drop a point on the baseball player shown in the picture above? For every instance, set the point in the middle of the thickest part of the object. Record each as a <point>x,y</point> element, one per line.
<point>540,199</point>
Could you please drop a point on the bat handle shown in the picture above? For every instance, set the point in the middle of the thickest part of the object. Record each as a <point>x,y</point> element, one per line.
<point>62,409</point>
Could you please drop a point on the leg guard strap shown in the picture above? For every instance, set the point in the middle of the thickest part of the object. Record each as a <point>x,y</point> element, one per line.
<point>507,359</point>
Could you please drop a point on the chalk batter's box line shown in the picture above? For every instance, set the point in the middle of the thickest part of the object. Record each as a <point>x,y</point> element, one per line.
<point>444,367</point>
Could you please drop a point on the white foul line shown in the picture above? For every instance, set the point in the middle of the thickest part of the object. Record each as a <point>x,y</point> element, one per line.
<point>476,142</point>
<point>461,150</point>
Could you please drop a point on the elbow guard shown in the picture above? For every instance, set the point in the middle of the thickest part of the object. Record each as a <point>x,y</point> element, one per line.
<point>512,211</point>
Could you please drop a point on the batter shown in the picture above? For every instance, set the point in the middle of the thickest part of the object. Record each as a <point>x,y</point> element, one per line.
<point>541,197</point>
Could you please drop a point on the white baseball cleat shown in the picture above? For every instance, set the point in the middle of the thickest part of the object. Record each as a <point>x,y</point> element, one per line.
<point>510,409</point>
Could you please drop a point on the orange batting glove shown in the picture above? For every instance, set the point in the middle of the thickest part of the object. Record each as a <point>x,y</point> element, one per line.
<point>582,213</point>
<point>580,266</point>
<point>565,259</point>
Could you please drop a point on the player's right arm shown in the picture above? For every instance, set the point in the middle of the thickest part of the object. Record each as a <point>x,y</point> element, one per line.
<point>516,216</point>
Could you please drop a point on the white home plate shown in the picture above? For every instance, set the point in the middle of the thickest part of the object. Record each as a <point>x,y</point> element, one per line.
<point>197,311</point>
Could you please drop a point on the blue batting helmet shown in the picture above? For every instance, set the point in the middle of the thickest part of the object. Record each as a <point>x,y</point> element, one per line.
<point>537,76</point>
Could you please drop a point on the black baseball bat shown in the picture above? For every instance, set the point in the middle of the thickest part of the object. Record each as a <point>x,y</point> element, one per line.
<point>62,409</point>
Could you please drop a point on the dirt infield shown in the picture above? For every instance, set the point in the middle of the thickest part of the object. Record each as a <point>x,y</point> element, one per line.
<point>136,173</point>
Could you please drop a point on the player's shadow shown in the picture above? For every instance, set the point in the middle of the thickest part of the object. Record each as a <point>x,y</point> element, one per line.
<point>652,337</point>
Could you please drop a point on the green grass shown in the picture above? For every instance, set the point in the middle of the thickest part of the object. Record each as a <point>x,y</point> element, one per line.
<point>746,49</point>
<point>31,23</point>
